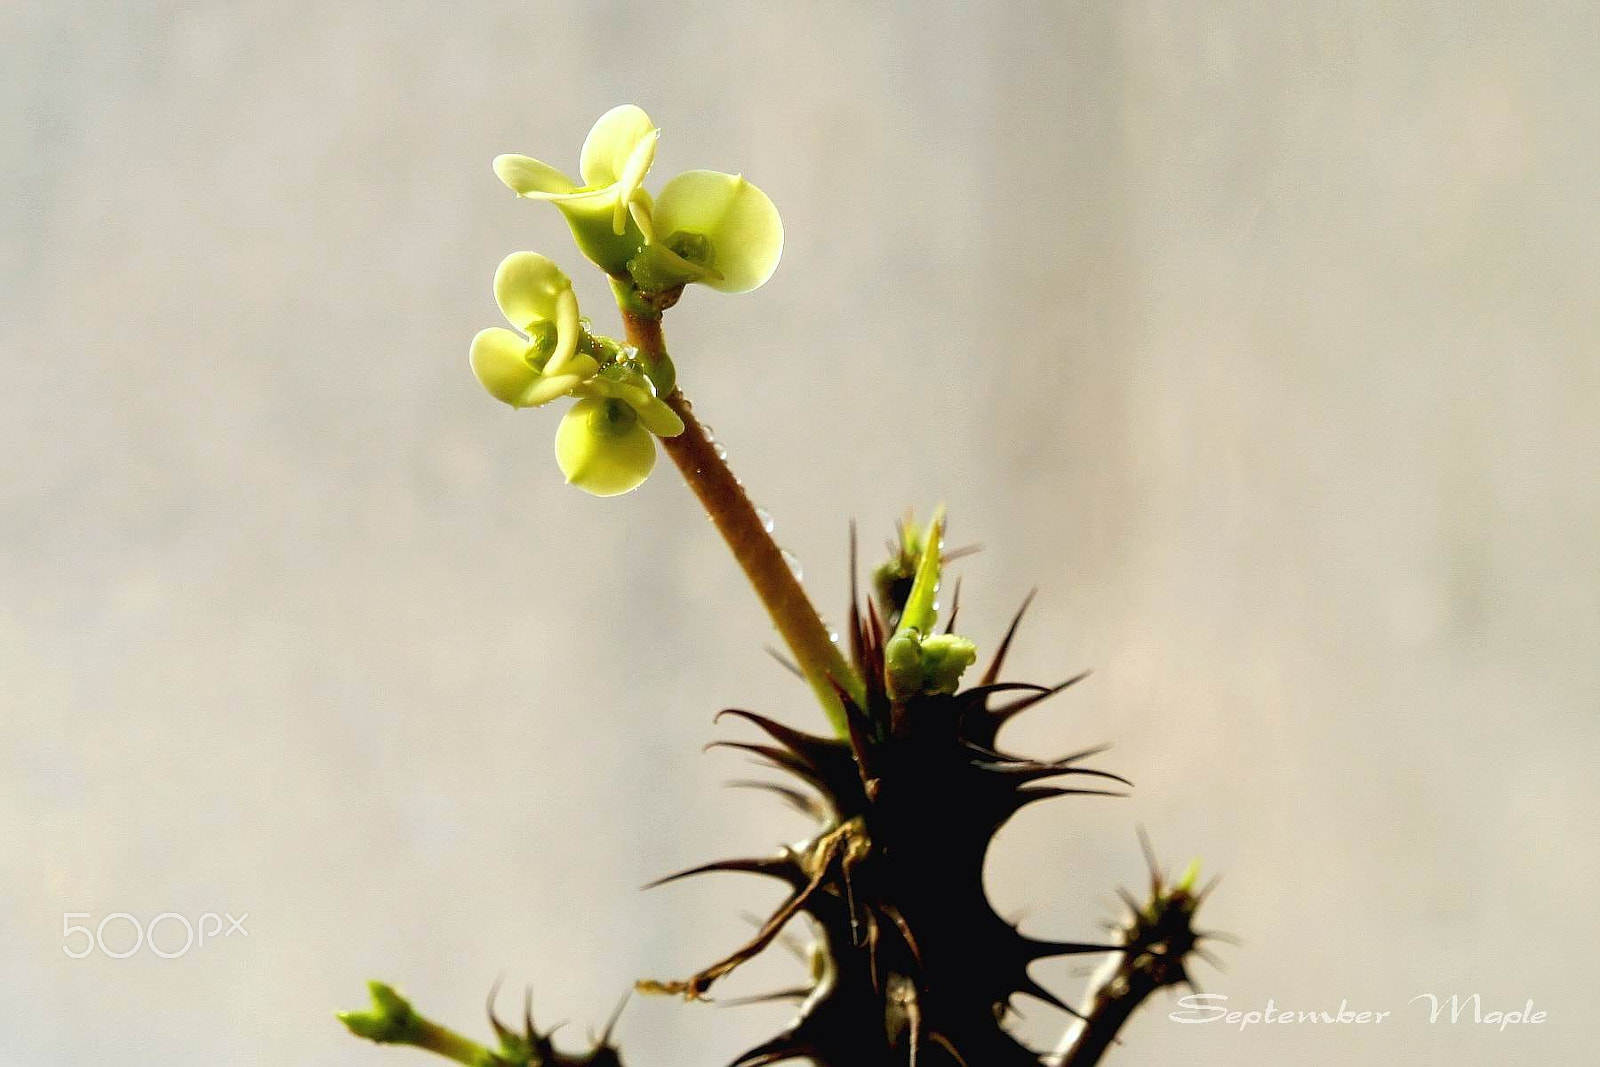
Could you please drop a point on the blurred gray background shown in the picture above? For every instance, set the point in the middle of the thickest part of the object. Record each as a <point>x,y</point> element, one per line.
<point>1262,337</point>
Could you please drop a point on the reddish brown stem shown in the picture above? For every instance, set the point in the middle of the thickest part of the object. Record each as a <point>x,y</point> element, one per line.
<point>770,574</point>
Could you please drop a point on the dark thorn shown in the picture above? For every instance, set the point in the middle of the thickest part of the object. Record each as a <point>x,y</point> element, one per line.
<point>777,1050</point>
<point>993,670</point>
<point>1034,793</point>
<point>780,757</point>
<point>1034,949</point>
<point>780,867</point>
<point>1039,992</point>
<point>987,688</point>
<point>856,723</point>
<point>809,747</point>
<point>857,636</point>
<point>611,1023</point>
<point>1151,861</point>
<point>904,927</point>
<point>797,800</point>
<point>1031,772</point>
<point>1017,707</point>
<point>500,1029</point>
<point>767,998</point>
<point>695,987</point>
<point>1084,753</point>
<point>1213,935</point>
<point>875,622</point>
<point>959,553</point>
<point>944,1042</point>
<point>788,941</point>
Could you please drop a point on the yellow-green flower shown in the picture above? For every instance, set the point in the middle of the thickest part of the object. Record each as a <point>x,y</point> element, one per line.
<point>712,228</point>
<point>525,371</point>
<point>606,442</point>
<point>603,447</point>
<point>616,156</point>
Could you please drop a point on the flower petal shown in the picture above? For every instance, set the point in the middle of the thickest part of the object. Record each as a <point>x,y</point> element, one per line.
<point>548,388</point>
<point>631,178</point>
<point>738,219</point>
<point>600,458</point>
<point>499,360</point>
<point>529,177</point>
<point>568,330</point>
<point>613,140</point>
<point>527,286</point>
<point>660,419</point>
<point>639,207</point>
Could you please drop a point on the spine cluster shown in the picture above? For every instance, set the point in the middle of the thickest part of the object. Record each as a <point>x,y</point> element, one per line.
<point>911,964</point>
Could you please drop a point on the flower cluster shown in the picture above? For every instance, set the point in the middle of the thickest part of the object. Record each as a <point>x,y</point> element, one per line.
<point>604,444</point>
<point>705,227</point>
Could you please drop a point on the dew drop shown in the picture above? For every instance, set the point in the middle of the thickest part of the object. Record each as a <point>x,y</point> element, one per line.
<point>794,564</point>
<point>764,517</point>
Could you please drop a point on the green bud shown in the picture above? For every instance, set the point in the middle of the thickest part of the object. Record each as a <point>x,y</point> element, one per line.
<point>657,269</point>
<point>663,375</point>
<point>1191,874</point>
<point>915,665</point>
<point>902,665</point>
<point>945,657</point>
<point>390,1020</point>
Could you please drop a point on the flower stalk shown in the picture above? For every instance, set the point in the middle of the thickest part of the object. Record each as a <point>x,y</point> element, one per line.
<point>815,649</point>
<point>392,1021</point>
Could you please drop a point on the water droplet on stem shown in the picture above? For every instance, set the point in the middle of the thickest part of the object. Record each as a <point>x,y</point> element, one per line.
<point>793,563</point>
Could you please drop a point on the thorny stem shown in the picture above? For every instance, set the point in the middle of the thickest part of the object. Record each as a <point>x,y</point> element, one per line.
<point>814,648</point>
<point>1114,1003</point>
<point>1159,939</point>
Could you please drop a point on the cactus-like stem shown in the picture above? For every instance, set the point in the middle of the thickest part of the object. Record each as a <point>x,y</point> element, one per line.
<point>815,649</point>
<point>1160,937</point>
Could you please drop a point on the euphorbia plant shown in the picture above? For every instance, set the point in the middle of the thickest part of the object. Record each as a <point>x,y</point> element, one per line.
<point>910,964</point>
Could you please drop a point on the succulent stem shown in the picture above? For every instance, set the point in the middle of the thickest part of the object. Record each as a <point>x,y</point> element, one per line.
<point>814,648</point>
<point>392,1021</point>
